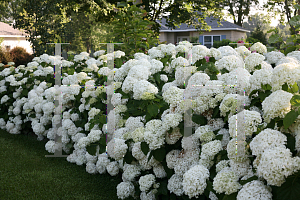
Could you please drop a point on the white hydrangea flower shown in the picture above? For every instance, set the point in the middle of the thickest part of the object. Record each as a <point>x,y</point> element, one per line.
<point>182,73</point>
<point>171,120</point>
<point>164,78</point>
<point>259,47</point>
<point>146,182</point>
<point>286,60</point>
<point>221,165</point>
<point>273,57</point>
<point>253,60</point>
<point>91,168</point>
<point>267,139</point>
<point>236,150</point>
<point>243,51</point>
<point>128,84</point>
<point>113,168</point>
<point>230,63</point>
<point>174,136</point>
<point>125,190</point>
<point>4,99</point>
<point>143,86</point>
<point>51,146</point>
<point>233,103</point>
<point>276,105</point>
<point>226,181</point>
<point>198,53</point>
<point>285,73</point>
<point>247,120</point>
<point>213,52</point>
<point>173,95</point>
<point>262,76</point>
<point>155,53</point>
<point>168,49</point>
<point>294,54</point>
<point>276,164</point>
<point>175,185</point>
<point>194,181</point>
<point>130,172</point>
<point>179,62</point>
<point>210,149</point>
<point>204,133</point>
<point>159,171</point>
<point>254,190</point>
<point>172,157</point>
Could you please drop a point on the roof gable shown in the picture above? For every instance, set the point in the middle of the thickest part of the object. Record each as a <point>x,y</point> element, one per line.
<point>7,30</point>
<point>183,27</point>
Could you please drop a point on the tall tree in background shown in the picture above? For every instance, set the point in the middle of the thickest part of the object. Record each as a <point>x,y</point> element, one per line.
<point>261,20</point>
<point>239,9</point>
<point>286,9</point>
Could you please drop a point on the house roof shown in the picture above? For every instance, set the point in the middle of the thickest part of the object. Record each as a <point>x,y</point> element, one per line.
<point>8,31</point>
<point>210,22</point>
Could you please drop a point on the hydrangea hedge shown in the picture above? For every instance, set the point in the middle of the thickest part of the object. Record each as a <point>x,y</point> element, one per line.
<point>253,90</point>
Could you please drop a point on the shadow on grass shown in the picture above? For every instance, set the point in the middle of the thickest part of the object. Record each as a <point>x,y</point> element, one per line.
<point>25,173</point>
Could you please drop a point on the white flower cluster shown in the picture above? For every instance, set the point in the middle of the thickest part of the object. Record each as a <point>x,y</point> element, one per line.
<point>276,105</point>
<point>248,120</point>
<point>243,51</point>
<point>179,62</point>
<point>233,103</point>
<point>182,73</point>
<point>259,47</point>
<point>173,95</point>
<point>228,50</point>
<point>168,49</point>
<point>226,181</point>
<point>198,53</point>
<point>294,54</point>
<point>194,181</point>
<point>125,189</point>
<point>287,60</point>
<point>262,76</point>
<point>155,53</point>
<point>99,53</point>
<point>215,53</point>
<point>141,87</point>
<point>273,56</point>
<point>285,73</point>
<point>146,182</point>
<point>230,63</point>
<point>154,134</point>
<point>204,133</point>
<point>253,60</point>
<point>267,139</point>
<point>255,190</point>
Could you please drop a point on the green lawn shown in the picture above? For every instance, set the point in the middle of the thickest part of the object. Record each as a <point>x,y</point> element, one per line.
<point>25,173</point>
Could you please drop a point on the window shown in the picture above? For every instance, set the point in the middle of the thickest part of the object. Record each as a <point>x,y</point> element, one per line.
<point>210,39</point>
<point>183,38</point>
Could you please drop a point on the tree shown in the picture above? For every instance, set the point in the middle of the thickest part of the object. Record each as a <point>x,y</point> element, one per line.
<point>259,35</point>
<point>239,9</point>
<point>261,20</point>
<point>286,8</point>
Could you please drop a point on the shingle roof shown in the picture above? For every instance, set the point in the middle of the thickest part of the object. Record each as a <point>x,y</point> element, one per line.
<point>6,29</point>
<point>210,22</point>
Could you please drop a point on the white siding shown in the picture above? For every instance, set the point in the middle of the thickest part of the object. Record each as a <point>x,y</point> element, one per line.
<point>20,42</point>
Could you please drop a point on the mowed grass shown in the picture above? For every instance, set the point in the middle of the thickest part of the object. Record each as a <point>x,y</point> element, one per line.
<point>25,173</point>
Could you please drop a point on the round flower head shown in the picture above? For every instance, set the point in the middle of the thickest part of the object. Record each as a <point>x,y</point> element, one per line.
<point>274,56</point>
<point>228,50</point>
<point>259,47</point>
<point>125,189</point>
<point>168,49</point>
<point>226,181</point>
<point>215,53</point>
<point>179,62</point>
<point>141,87</point>
<point>266,139</point>
<point>262,76</point>
<point>230,63</point>
<point>294,54</point>
<point>146,182</point>
<point>247,120</point>
<point>233,103</point>
<point>204,133</point>
<point>276,105</point>
<point>236,150</point>
<point>253,60</point>
<point>173,95</point>
<point>287,60</point>
<point>182,73</point>
<point>255,190</point>
<point>285,73</point>
<point>175,184</point>
<point>210,149</point>
<point>243,51</point>
<point>194,181</point>
<point>276,164</point>
<point>155,53</point>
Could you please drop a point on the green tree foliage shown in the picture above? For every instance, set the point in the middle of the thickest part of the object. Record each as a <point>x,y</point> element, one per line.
<point>132,28</point>
<point>258,19</point>
<point>259,35</point>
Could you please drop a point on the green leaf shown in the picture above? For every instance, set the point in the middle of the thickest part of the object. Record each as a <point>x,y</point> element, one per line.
<point>290,118</point>
<point>230,197</point>
<point>275,38</point>
<point>163,189</point>
<point>291,142</point>
<point>159,154</point>
<point>295,101</point>
<point>289,190</point>
<point>295,21</point>
<point>271,124</point>
<point>297,6</point>
<point>253,92</point>
<point>144,147</point>
<point>91,149</point>
<point>25,92</point>
<point>128,157</point>
<point>219,137</point>
<point>224,70</point>
<point>295,88</point>
<point>102,119</point>
<point>243,182</point>
<point>199,119</point>
<point>285,87</point>
<point>152,109</point>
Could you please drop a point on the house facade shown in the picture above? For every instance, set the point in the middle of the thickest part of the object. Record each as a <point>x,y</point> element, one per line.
<point>13,37</point>
<point>184,32</point>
